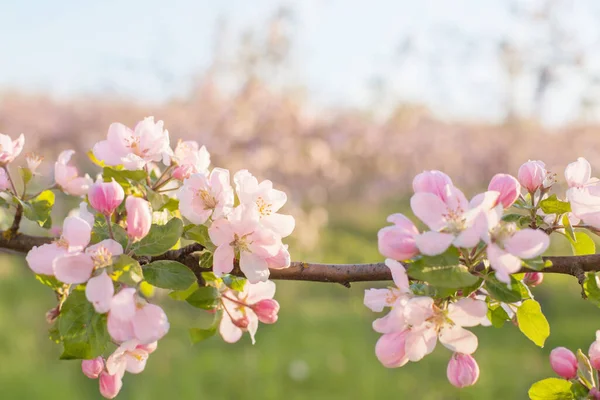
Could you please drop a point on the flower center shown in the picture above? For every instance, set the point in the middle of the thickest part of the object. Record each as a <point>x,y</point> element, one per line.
<point>264,208</point>
<point>209,201</point>
<point>102,257</point>
<point>240,243</point>
<point>503,232</point>
<point>455,221</point>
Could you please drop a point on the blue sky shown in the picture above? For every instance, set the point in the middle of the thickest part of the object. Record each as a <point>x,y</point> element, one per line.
<point>151,49</point>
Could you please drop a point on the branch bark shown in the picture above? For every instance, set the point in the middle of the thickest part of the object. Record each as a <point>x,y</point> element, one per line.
<point>313,272</point>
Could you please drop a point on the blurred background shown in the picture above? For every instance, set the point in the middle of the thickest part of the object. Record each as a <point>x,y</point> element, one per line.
<point>340,103</point>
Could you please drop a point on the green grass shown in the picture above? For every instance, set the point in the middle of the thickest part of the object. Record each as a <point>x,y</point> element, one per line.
<point>322,347</point>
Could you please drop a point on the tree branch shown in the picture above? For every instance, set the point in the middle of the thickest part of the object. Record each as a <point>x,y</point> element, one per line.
<point>313,272</point>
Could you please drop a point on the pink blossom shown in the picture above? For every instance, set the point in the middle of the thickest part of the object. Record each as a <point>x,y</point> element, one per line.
<point>33,162</point>
<point>204,196</point>
<point>532,175</point>
<point>4,181</point>
<point>594,352</point>
<point>434,182</point>
<point>508,246</point>
<point>110,385</point>
<point>190,160</point>
<point>462,370</point>
<point>579,174</point>
<point>105,197</point>
<point>241,233</point>
<point>10,149</point>
<point>564,362</point>
<point>533,279</point>
<point>508,187</point>
<point>390,349</point>
<point>266,310</point>
<point>378,299</point>
<point>594,393</point>
<point>67,176</point>
<point>133,149</point>
<point>240,310</point>
<point>266,200</point>
<point>398,241</point>
<point>128,357</point>
<point>139,217</point>
<point>99,291</point>
<point>92,368</point>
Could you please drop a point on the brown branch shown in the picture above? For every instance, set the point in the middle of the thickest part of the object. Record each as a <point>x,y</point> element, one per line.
<point>313,272</point>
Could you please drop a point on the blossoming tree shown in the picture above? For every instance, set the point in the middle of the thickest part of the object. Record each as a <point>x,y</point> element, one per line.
<point>157,216</point>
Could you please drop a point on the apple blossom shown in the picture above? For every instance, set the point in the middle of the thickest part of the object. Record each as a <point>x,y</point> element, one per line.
<point>378,299</point>
<point>398,241</point>
<point>10,149</point>
<point>594,352</point>
<point>266,310</point>
<point>266,200</point>
<point>133,149</point>
<point>508,187</point>
<point>533,279</point>
<point>190,159</point>
<point>203,196</point>
<point>462,370</point>
<point>434,182</point>
<point>128,357</point>
<point>92,368</point>
<point>67,176</point>
<point>532,175</point>
<point>105,197</point>
<point>139,217</point>
<point>110,385</point>
<point>564,362</point>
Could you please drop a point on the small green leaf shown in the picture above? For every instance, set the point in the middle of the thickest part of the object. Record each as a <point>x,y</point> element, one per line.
<point>442,271</point>
<point>583,244</point>
<point>198,334</point>
<point>511,217</point>
<point>26,174</point>
<point>100,233</point>
<point>579,391</point>
<point>209,276</point>
<point>168,274</point>
<point>122,176</point>
<point>501,292</point>
<point>532,322</point>
<point>38,209</point>
<point>181,295</point>
<point>590,287</point>
<point>585,372</point>
<point>83,332</point>
<point>551,389</point>
<point>127,270</point>
<point>234,282</point>
<point>49,281</point>
<point>160,239</point>
<point>497,316</point>
<point>159,201</point>
<point>199,234</point>
<point>537,264</point>
<point>568,228</point>
<point>206,297</point>
<point>206,260</point>
<point>552,205</point>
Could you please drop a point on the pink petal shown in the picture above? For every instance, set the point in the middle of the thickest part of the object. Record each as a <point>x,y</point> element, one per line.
<point>223,260</point>
<point>254,267</point>
<point>390,349</point>
<point>40,259</point>
<point>99,291</point>
<point>229,332</point>
<point>376,299</point>
<point>578,173</point>
<point>420,342</point>
<point>393,321</point>
<point>221,232</point>
<point>281,224</point>
<point>77,232</point>
<point>123,304</point>
<point>73,268</point>
<point>398,275</point>
<point>260,291</point>
<point>418,309</point>
<point>458,339</point>
<point>467,312</point>
<point>135,361</point>
<point>150,324</point>
<point>468,238</point>
<point>432,243</point>
<point>503,262</point>
<point>527,243</point>
<point>118,329</point>
<point>430,209</point>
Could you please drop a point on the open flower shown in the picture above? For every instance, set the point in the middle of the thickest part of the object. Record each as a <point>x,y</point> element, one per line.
<point>190,159</point>
<point>128,357</point>
<point>133,149</point>
<point>10,149</point>
<point>243,310</point>
<point>67,176</point>
<point>378,299</point>
<point>204,196</point>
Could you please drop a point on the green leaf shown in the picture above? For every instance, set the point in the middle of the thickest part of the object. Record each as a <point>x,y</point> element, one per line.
<point>160,239</point>
<point>449,258</point>
<point>122,176</point>
<point>532,322</point>
<point>199,234</point>
<point>127,270</point>
<point>38,209</point>
<point>206,297</point>
<point>26,175</point>
<point>568,228</point>
<point>49,281</point>
<point>180,295</point>
<point>442,271</point>
<point>206,260</point>
<point>590,287</point>
<point>209,276</point>
<point>552,205</point>
<point>583,244</point>
<point>168,274</point>
<point>511,217</point>
<point>234,282</point>
<point>537,264</point>
<point>159,201</point>
<point>100,233</point>
<point>497,316</point>
<point>579,391</point>
<point>198,334</point>
<point>551,389</point>
<point>501,292</point>
<point>585,372</point>
<point>82,331</point>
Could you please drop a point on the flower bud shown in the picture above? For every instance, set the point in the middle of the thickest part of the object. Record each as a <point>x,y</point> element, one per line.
<point>139,217</point>
<point>266,310</point>
<point>105,197</point>
<point>110,385</point>
<point>533,279</point>
<point>398,241</point>
<point>92,368</point>
<point>594,352</point>
<point>564,362</point>
<point>508,186</point>
<point>241,323</point>
<point>594,393</point>
<point>52,314</point>
<point>462,370</point>
<point>532,175</point>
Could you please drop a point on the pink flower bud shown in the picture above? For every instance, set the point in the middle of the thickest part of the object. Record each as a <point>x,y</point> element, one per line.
<point>533,279</point>
<point>532,175</point>
<point>105,197</point>
<point>266,310</point>
<point>242,322</point>
<point>182,172</point>
<point>110,385</point>
<point>398,241</point>
<point>462,370</point>
<point>594,393</point>
<point>594,352</point>
<point>92,368</point>
<point>508,186</point>
<point>564,362</point>
<point>139,217</point>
